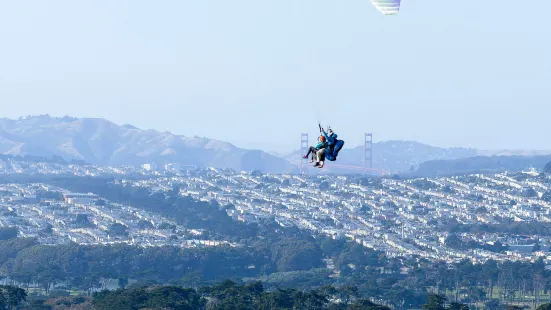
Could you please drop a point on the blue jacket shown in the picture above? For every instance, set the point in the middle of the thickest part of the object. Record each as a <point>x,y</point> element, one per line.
<point>330,139</point>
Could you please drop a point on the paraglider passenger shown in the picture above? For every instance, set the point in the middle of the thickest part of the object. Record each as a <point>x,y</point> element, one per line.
<point>320,156</point>
<point>314,149</point>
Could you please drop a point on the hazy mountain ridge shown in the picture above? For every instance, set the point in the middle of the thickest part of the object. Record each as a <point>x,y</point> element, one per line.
<point>481,164</point>
<point>514,152</point>
<point>397,155</point>
<point>99,141</point>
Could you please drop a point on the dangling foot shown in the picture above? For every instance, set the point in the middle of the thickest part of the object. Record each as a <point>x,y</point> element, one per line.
<point>305,156</point>
<point>311,161</point>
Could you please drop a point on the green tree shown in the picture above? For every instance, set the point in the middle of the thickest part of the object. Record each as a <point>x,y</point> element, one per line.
<point>453,241</point>
<point>324,186</point>
<point>493,304</point>
<point>293,254</point>
<point>434,302</point>
<point>536,247</point>
<point>7,233</point>
<point>457,306</point>
<point>11,296</point>
<point>364,304</point>
<point>117,229</point>
<point>544,307</point>
<point>123,282</point>
<point>347,294</point>
<point>530,193</point>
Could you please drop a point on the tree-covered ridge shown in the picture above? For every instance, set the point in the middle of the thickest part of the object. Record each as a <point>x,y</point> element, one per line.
<point>86,267</point>
<point>480,164</point>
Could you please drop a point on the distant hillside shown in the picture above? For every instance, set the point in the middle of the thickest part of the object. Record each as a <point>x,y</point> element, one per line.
<point>481,164</point>
<point>513,152</point>
<point>98,141</point>
<point>399,156</point>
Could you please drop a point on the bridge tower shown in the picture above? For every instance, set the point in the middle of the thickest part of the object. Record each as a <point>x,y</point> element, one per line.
<point>368,153</point>
<point>303,150</point>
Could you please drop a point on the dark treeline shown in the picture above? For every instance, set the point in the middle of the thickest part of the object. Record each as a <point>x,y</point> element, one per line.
<point>467,282</point>
<point>453,241</point>
<point>226,295</point>
<point>87,267</point>
<point>508,226</point>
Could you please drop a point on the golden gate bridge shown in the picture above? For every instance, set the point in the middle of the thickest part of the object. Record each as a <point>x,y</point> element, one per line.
<point>366,166</point>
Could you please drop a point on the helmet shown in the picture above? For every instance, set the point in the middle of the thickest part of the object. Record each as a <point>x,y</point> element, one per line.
<point>322,138</point>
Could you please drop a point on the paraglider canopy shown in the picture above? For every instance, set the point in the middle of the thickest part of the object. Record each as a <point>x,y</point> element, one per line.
<point>387,7</point>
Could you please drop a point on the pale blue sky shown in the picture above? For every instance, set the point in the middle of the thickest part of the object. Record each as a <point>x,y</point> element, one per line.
<point>251,71</point>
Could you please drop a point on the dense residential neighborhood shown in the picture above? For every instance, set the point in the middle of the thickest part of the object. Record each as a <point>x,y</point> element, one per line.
<point>85,219</point>
<point>403,218</point>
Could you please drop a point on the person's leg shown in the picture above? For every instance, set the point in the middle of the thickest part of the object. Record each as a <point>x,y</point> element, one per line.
<point>319,155</point>
<point>313,150</point>
<point>310,150</point>
<point>321,158</point>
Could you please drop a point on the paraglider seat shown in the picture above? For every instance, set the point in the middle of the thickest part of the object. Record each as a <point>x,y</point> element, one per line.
<point>338,147</point>
<point>332,155</point>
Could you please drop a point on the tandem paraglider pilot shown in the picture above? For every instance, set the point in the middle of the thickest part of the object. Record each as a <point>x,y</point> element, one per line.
<point>331,151</point>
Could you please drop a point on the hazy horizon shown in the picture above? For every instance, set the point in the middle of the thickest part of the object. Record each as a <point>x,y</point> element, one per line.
<point>265,71</point>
